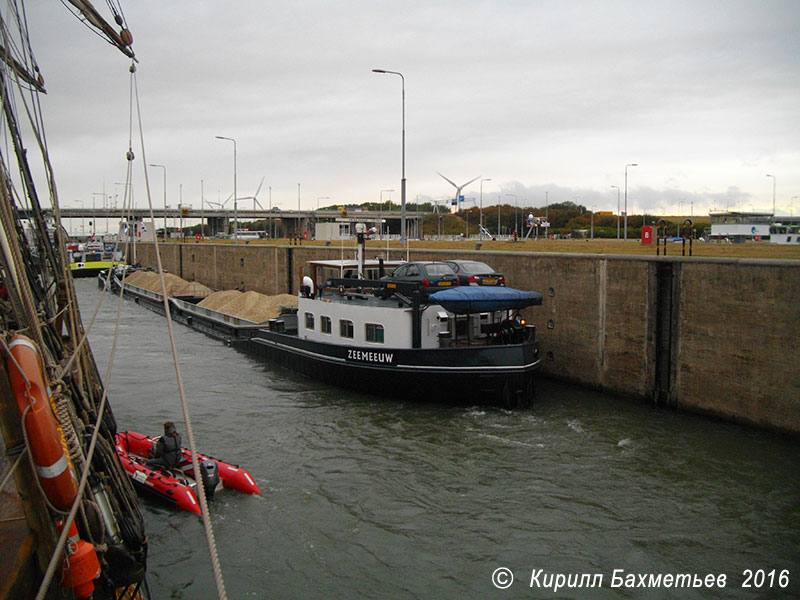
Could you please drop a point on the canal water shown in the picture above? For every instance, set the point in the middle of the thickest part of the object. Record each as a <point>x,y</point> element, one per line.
<point>369,497</point>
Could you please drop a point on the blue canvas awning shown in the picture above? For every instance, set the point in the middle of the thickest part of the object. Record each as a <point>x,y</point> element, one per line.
<point>475,299</point>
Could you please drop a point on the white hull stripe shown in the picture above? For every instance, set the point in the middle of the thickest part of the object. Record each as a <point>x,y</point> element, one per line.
<point>54,470</point>
<point>463,369</point>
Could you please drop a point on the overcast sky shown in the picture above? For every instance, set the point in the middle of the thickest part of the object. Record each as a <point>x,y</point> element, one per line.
<point>538,96</point>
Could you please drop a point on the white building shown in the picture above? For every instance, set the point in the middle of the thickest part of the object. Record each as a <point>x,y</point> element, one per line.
<point>740,226</point>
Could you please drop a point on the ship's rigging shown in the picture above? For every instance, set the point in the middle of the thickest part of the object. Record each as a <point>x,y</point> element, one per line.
<point>39,318</point>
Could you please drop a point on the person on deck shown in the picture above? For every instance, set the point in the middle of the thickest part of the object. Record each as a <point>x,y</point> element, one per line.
<point>167,452</point>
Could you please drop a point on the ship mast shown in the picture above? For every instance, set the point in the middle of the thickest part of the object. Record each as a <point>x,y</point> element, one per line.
<point>121,40</point>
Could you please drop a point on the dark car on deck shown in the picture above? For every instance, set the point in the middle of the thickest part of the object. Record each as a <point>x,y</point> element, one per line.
<point>431,276</point>
<point>472,272</point>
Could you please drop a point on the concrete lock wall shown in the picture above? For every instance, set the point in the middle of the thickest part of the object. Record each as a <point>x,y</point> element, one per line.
<point>716,336</point>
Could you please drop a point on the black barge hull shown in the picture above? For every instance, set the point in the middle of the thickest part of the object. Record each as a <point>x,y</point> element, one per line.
<point>500,375</point>
<point>496,375</point>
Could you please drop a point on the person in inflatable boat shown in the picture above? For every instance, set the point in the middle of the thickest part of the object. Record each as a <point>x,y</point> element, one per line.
<point>167,451</point>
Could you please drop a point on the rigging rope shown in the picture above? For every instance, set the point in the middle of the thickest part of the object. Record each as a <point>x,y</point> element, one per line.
<point>34,295</point>
<point>12,469</point>
<point>212,546</point>
<point>54,561</point>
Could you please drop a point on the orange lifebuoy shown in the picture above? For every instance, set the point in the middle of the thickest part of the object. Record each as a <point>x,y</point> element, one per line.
<point>80,567</point>
<point>45,439</point>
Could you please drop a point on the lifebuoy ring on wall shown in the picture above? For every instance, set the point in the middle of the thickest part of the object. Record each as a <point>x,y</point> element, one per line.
<point>45,439</point>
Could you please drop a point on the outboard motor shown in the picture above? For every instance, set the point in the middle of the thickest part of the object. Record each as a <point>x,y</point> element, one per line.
<point>209,470</point>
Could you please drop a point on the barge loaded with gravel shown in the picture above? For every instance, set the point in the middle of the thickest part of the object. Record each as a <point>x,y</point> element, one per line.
<point>465,345</point>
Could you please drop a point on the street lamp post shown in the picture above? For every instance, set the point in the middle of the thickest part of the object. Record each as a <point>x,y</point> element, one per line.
<point>546,216</point>
<point>403,175</point>
<point>516,205</point>
<point>94,216</point>
<point>235,199</point>
<point>591,235</point>
<point>498,216</point>
<point>380,211</point>
<point>82,223</point>
<point>626,198</point>
<point>480,228</point>
<point>612,187</point>
<point>773,193</point>
<point>165,198</point>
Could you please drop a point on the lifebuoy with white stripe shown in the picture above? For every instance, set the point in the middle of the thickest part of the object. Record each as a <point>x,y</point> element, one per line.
<point>45,439</point>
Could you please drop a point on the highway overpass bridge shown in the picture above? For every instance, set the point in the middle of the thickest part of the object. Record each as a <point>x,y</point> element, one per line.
<point>282,222</point>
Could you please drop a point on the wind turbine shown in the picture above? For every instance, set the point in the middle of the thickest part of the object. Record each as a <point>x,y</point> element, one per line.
<point>220,204</point>
<point>458,187</point>
<point>254,197</point>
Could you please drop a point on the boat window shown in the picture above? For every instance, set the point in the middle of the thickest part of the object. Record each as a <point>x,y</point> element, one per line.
<point>325,324</point>
<point>310,321</point>
<point>374,333</point>
<point>345,328</point>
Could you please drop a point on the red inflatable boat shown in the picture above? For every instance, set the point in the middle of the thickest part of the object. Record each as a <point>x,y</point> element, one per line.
<point>178,485</point>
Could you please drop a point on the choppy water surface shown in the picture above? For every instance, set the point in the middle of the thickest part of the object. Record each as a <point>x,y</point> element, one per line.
<point>365,497</point>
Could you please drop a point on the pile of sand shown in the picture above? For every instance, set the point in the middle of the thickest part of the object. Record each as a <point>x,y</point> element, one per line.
<point>251,306</point>
<point>175,285</point>
<point>219,299</point>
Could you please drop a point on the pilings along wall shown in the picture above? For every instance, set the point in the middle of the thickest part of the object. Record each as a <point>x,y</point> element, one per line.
<point>717,336</point>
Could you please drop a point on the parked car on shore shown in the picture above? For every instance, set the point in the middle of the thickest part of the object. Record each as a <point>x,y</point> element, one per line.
<point>432,276</point>
<point>471,272</point>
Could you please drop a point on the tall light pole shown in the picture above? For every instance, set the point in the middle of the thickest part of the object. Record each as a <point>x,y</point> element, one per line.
<point>403,175</point>
<point>235,199</point>
<point>380,211</point>
<point>546,216</point>
<point>773,193</point>
<point>516,205</point>
<point>480,229</point>
<point>591,236</point>
<point>94,216</point>
<point>165,198</point>
<point>626,197</point>
<point>612,187</point>
<point>82,224</point>
<point>498,216</point>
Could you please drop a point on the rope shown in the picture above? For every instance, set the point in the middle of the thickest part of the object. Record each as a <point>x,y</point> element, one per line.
<point>12,469</point>
<point>59,549</point>
<point>212,546</point>
<point>33,305</point>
